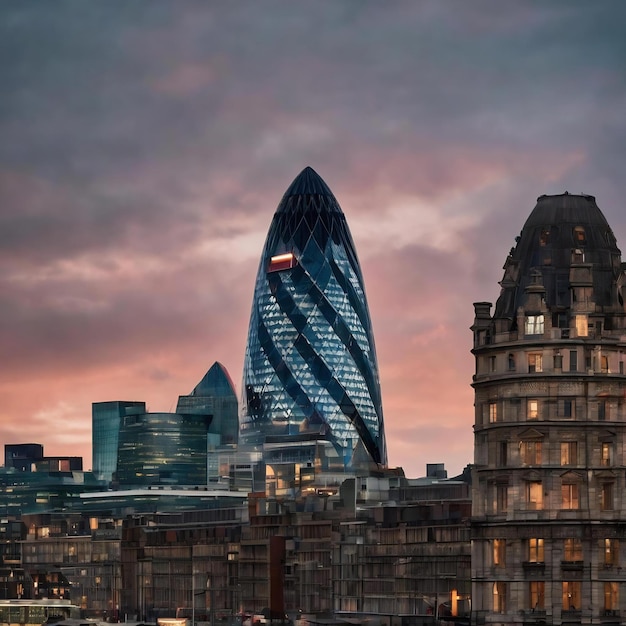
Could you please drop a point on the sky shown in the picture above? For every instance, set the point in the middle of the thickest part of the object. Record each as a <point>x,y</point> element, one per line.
<point>145,145</point>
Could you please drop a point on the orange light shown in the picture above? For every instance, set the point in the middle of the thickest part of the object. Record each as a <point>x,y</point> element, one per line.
<point>282,262</point>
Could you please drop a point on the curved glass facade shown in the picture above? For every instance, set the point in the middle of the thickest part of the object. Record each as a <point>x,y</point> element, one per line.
<point>310,369</point>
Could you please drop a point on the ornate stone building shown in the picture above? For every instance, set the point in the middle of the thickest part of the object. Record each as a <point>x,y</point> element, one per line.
<point>548,505</point>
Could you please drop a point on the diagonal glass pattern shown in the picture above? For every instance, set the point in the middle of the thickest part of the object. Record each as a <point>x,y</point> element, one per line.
<point>310,367</point>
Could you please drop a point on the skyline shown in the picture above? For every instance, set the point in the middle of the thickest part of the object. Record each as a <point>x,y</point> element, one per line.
<point>146,146</point>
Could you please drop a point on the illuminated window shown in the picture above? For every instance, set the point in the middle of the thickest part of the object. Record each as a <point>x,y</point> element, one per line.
<point>604,364</point>
<point>569,496</point>
<point>569,452</point>
<point>535,362</point>
<point>532,412</point>
<point>281,262</point>
<point>571,595</point>
<point>580,238</point>
<point>535,550</point>
<point>499,597</point>
<point>572,549</point>
<point>611,596</point>
<point>606,497</point>
<point>611,552</point>
<point>530,452</point>
<point>537,590</point>
<point>534,495</point>
<point>534,325</point>
<point>582,326</point>
<point>493,412</point>
<point>499,552</point>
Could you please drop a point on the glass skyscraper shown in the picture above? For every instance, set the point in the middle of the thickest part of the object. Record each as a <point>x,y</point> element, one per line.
<point>107,418</point>
<point>310,370</point>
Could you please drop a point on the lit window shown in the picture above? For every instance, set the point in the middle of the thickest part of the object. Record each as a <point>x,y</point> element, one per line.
<point>534,495</point>
<point>281,262</point>
<point>571,595</point>
<point>530,452</point>
<point>607,454</point>
<point>606,497</point>
<point>532,410</point>
<point>611,596</point>
<point>534,325</point>
<point>611,552</point>
<point>572,550</point>
<point>569,496</point>
<point>569,452</point>
<point>535,362</point>
<point>537,594</point>
<point>493,412</point>
<point>499,552</point>
<point>579,235</point>
<point>604,364</point>
<point>499,597</point>
<point>582,326</point>
<point>535,550</point>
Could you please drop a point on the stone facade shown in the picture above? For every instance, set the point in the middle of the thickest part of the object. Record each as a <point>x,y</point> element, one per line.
<point>548,538</point>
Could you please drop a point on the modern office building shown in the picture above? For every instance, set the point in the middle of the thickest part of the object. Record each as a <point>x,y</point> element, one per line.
<point>311,392</point>
<point>548,504</point>
<point>162,449</point>
<point>106,419</point>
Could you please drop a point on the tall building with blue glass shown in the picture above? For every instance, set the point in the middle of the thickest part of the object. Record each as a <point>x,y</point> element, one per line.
<point>310,371</point>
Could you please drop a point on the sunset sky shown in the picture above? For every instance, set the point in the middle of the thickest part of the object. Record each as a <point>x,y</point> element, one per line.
<point>145,145</point>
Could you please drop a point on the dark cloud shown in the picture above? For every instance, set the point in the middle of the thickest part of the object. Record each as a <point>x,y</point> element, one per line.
<point>145,145</point>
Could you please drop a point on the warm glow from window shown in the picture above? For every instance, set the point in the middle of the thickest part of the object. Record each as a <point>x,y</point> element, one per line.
<point>499,552</point>
<point>569,496</point>
<point>569,452</point>
<point>282,262</point>
<point>534,495</point>
<point>582,326</point>
<point>530,452</point>
<point>535,362</point>
<point>534,325</point>
<point>573,550</point>
<point>535,550</point>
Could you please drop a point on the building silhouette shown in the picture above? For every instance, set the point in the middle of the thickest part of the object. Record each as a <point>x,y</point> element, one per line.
<point>548,500</point>
<point>311,392</point>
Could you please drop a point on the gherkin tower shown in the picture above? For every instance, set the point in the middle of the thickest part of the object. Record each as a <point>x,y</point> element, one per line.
<point>310,370</point>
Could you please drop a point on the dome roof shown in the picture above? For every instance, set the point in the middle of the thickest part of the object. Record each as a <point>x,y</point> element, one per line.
<point>561,231</point>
